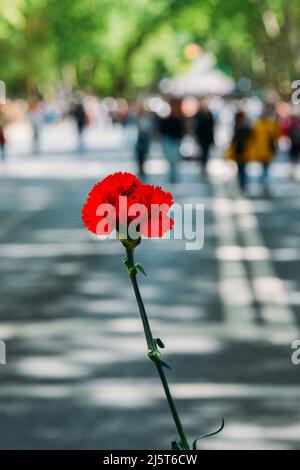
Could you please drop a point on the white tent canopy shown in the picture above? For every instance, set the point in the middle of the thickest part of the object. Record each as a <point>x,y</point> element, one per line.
<point>201,80</point>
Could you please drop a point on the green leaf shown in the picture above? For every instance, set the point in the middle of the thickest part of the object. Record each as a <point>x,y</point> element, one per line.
<point>163,364</point>
<point>154,355</point>
<point>140,268</point>
<point>209,435</point>
<point>160,343</point>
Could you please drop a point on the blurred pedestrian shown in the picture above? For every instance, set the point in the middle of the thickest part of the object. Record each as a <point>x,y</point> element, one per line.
<point>2,135</point>
<point>35,116</point>
<point>145,129</point>
<point>265,133</point>
<point>294,135</point>
<point>204,132</point>
<point>171,129</point>
<point>79,114</point>
<point>239,147</point>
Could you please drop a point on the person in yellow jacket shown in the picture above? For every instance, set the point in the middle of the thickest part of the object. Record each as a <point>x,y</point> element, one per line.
<point>265,133</point>
<point>254,144</point>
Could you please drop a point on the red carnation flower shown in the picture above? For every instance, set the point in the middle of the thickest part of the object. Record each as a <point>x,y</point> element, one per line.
<point>120,199</point>
<point>158,203</point>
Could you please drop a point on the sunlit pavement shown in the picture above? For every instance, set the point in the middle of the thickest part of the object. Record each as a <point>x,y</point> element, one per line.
<point>77,376</point>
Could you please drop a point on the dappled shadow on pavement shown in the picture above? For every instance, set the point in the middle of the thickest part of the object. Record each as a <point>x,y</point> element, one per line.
<point>77,375</point>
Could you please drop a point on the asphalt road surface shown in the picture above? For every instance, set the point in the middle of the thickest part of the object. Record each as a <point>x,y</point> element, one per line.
<point>77,376</point>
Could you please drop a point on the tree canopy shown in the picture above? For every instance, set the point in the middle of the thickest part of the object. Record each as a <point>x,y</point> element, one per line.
<point>118,46</point>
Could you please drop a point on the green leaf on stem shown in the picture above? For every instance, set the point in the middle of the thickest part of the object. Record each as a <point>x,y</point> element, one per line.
<point>165,365</point>
<point>209,435</point>
<point>160,343</point>
<point>140,268</point>
<point>155,355</point>
<point>132,270</point>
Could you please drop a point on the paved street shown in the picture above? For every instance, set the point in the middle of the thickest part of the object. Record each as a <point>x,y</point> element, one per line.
<point>76,374</point>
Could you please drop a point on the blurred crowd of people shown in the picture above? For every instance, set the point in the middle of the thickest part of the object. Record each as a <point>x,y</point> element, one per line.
<point>258,141</point>
<point>83,109</point>
<point>254,142</point>
<point>254,135</point>
<point>170,127</point>
<point>254,138</point>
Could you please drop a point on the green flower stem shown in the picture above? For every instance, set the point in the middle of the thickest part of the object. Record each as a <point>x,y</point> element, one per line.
<point>152,346</point>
